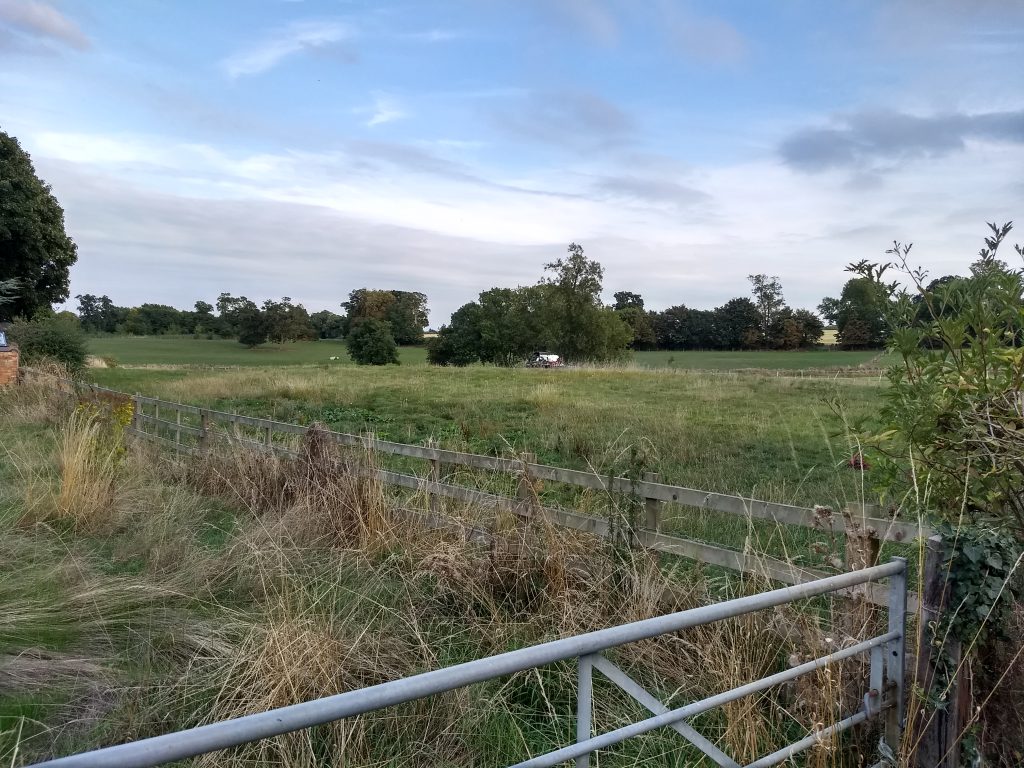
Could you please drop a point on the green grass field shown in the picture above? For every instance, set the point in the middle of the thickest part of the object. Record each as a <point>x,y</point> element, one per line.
<point>766,360</point>
<point>186,350</point>
<point>223,549</point>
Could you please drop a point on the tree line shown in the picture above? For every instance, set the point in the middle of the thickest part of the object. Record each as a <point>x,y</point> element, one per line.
<point>253,324</point>
<point>563,312</point>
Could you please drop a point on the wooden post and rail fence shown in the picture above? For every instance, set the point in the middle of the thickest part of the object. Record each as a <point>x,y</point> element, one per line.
<point>196,430</point>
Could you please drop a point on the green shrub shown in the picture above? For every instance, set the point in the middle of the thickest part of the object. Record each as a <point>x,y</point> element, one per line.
<point>51,338</point>
<point>370,342</point>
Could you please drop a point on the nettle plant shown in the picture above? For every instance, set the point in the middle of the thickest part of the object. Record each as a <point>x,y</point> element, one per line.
<point>951,447</point>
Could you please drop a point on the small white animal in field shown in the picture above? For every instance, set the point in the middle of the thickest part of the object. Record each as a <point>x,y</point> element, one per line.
<point>335,357</point>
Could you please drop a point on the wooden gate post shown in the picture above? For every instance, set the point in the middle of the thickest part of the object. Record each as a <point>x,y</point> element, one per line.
<point>936,732</point>
<point>652,507</point>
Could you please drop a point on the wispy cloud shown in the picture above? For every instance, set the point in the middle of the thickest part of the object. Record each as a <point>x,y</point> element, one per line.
<point>432,35</point>
<point>298,37</point>
<point>865,140</point>
<point>592,16</point>
<point>708,38</point>
<point>575,119</point>
<point>385,109</point>
<point>40,19</point>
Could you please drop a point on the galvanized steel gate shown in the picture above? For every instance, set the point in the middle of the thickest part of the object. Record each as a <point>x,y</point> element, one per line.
<point>884,696</point>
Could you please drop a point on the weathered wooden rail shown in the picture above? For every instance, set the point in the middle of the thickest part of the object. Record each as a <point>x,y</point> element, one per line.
<point>194,429</point>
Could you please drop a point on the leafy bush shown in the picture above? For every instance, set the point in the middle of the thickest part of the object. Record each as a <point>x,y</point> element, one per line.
<point>370,342</point>
<point>51,338</point>
<point>954,407</point>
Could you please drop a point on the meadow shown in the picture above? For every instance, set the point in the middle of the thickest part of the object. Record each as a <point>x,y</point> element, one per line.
<point>145,592</point>
<point>187,350</point>
<point>752,433</point>
<point>206,589</point>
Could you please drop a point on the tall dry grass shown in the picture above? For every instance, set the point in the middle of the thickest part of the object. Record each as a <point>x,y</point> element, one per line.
<point>325,585</point>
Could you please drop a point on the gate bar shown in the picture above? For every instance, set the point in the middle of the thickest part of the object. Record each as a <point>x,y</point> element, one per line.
<point>229,733</point>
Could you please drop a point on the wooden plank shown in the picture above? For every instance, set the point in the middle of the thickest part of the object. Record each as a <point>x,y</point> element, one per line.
<point>893,530</point>
<point>181,407</point>
<point>888,529</point>
<point>194,431</point>
<point>161,440</point>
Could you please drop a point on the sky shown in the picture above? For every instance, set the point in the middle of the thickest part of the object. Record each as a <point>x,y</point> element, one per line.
<point>305,148</point>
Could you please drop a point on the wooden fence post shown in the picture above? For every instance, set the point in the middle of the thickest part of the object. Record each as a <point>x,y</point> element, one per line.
<point>177,430</point>
<point>525,491</point>
<point>652,507</point>
<point>434,476</point>
<point>268,439</point>
<point>136,412</point>
<point>204,426</point>
<point>936,732</point>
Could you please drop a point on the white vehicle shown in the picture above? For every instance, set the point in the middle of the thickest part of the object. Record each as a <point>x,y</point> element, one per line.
<point>544,360</point>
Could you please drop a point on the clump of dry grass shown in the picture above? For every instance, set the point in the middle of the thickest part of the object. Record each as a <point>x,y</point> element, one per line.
<point>38,399</point>
<point>88,456</point>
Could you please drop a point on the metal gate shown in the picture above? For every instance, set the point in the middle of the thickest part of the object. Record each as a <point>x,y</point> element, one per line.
<point>884,696</point>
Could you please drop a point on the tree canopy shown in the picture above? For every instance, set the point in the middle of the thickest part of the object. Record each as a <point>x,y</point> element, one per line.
<point>405,311</point>
<point>34,248</point>
<point>562,313</point>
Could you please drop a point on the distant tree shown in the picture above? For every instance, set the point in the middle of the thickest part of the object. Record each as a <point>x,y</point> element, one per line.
<point>855,334</point>
<point>640,324</point>
<point>680,327</point>
<point>458,343</point>
<point>161,319</point>
<point>408,317</point>
<point>328,325</point>
<point>287,321</point>
<point>406,311</point>
<point>811,327</point>
<point>230,311</point>
<point>204,321</point>
<point>511,323</point>
<point>370,342</point>
<point>252,326</point>
<point>628,300</point>
<point>768,298</point>
<point>829,309</point>
<point>865,299</point>
<point>737,324</point>
<point>583,329</point>
<point>34,248</point>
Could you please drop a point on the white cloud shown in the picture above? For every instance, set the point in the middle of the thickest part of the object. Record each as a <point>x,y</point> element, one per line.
<point>385,109</point>
<point>40,19</point>
<point>370,213</point>
<point>296,38</point>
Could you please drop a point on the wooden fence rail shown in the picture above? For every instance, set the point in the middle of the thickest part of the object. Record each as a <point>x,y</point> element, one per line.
<point>862,523</point>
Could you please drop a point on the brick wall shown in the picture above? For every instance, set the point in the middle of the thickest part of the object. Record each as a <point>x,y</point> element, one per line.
<point>8,367</point>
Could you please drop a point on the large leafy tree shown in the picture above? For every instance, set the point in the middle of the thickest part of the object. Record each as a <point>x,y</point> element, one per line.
<point>737,324</point>
<point>370,342</point>
<point>405,311</point>
<point>860,311</point>
<point>328,325</point>
<point>581,326</point>
<point>458,343</point>
<point>34,248</point>
<point>561,314</point>
<point>768,298</point>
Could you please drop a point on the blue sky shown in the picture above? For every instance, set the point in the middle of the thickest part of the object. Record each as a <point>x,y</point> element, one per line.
<point>273,148</point>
